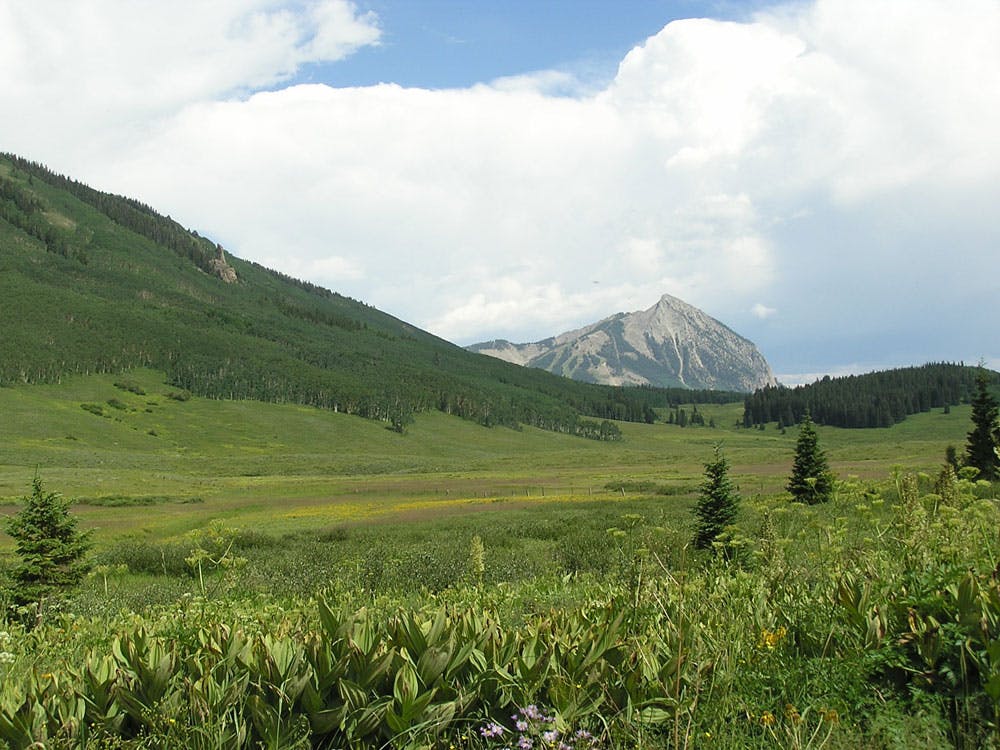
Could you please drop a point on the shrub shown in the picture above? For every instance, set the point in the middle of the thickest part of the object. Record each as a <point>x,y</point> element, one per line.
<point>131,386</point>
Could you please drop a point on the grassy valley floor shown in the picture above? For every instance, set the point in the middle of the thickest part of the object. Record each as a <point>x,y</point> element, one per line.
<point>271,575</point>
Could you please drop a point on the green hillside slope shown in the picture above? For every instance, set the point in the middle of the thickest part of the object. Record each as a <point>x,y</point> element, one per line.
<point>95,283</point>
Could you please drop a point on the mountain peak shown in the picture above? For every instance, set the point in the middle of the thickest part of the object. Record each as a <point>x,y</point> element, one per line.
<point>670,344</point>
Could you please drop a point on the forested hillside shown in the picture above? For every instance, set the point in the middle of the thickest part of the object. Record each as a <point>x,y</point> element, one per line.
<point>93,282</point>
<point>877,399</point>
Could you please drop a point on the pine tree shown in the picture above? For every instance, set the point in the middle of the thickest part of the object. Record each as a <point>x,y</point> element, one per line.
<point>811,481</point>
<point>718,502</point>
<point>981,447</point>
<point>50,547</point>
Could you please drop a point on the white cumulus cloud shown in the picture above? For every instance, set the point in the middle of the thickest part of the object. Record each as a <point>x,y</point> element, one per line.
<point>840,158</point>
<point>110,69</point>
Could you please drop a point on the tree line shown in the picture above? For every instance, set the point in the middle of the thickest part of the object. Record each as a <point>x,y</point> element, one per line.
<point>878,399</point>
<point>127,212</point>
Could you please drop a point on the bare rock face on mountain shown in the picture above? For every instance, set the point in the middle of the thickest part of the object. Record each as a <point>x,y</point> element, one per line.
<point>670,344</point>
<point>221,268</point>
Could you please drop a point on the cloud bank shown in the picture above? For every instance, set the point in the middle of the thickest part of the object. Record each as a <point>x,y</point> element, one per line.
<point>822,178</point>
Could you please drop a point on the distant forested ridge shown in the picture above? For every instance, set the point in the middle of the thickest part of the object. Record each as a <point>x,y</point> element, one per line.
<point>877,399</point>
<point>97,283</point>
<point>126,212</point>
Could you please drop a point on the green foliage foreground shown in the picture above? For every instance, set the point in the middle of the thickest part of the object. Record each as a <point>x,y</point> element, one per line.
<point>869,621</point>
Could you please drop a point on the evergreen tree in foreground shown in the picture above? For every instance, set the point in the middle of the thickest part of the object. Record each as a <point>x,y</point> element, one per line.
<point>981,447</point>
<point>718,502</point>
<point>50,546</point>
<point>811,481</point>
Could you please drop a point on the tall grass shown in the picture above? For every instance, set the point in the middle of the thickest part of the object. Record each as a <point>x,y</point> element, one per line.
<point>871,621</point>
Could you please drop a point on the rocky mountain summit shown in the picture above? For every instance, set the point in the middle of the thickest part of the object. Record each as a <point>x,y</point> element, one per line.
<point>670,344</point>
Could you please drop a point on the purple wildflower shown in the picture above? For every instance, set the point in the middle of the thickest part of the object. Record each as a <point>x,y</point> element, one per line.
<point>491,730</point>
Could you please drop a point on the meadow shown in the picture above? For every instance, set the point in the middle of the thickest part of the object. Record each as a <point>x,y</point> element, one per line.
<point>272,575</point>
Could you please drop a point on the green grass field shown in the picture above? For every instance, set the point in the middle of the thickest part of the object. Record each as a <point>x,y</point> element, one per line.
<point>244,456</point>
<point>151,464</point>
<point>369,589</point>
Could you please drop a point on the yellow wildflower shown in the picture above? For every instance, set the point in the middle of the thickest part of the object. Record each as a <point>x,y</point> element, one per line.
<point>771,638</point>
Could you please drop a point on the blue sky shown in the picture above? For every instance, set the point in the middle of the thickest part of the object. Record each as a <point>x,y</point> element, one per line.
<point>457,43</point>
<point>822,176</point>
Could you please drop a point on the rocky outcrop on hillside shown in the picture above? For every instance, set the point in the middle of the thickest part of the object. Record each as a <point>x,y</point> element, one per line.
<point>221,268</point>
<point>670,344</point>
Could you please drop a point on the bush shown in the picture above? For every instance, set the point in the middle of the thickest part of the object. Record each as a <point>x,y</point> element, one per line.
<point>150,559</point>
<point>131,386</point>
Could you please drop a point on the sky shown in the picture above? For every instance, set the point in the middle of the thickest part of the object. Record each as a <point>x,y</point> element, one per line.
<point>823,177</point>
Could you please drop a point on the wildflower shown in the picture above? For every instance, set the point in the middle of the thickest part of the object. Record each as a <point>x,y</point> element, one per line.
<point>830,715</point>
<point>522,725</point>
<point>525,743</point>
<point>551,736</point>
<point>491,730</point>
<point>792,714</point>
<point>767,719</point>
<point>769,639</point>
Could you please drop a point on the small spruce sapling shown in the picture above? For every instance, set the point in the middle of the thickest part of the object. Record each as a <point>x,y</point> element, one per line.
<point>718,502</point>
<point>51,549</point>
<point>811,481</point>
